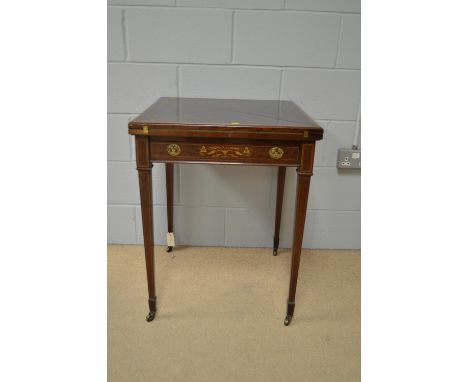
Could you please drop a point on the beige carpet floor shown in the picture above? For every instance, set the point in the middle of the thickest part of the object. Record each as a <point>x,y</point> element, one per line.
<point>220,316</point>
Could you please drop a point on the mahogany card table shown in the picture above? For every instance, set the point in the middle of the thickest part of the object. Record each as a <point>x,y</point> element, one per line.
<point>224,131</point>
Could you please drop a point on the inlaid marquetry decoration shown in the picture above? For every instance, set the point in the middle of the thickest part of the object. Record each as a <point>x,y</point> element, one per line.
<point>235,132</point>
<point>225,151</point>
<point>173,150</point>
<point>276,152</point>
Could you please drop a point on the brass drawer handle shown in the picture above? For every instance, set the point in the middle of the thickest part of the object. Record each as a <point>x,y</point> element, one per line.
<point>276,152</point>
<point>173,150</point>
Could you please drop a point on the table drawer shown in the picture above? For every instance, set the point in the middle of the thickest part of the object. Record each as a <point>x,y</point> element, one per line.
<point>235,153</point>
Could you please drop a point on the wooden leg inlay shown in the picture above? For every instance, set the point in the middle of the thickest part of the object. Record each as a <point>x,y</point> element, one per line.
<point>146,197</point>
<point>279,207</point>
<point>170,199</point>
<point>302,194</point>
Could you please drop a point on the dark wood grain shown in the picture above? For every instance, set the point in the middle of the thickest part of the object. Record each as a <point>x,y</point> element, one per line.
<point>170,195</point>
<point>226,118</point>
<point>215,131</point>
<point>302,192</point>
<point>304,173</point>
<point>279,207</point>
<point>199,111</point>
<point>170,198</point>
<point>144,167</point>
<point>224,152</point>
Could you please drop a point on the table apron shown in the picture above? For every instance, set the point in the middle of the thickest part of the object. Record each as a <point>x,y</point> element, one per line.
<point>278,155</point>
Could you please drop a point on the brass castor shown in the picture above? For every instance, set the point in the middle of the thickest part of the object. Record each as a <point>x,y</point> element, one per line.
<point>150,316</point>
<point>169,249</point>
<point>287,320</point>
<point>275,251</point>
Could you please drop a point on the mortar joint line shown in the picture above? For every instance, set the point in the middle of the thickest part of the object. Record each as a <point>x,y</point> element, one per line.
<point>280,10</point>
<point>178,80</point>
<point>233,31</point>
<point>225,213</point>
<point>338,45</point>
<point>233,65</point>
<point>281,85</point>
<point>125,37</point>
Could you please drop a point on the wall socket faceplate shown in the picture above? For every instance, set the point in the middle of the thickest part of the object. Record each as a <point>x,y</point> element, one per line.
<point>349,158</point>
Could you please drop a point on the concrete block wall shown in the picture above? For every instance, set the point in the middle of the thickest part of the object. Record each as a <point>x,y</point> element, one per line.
<point>307,51</point>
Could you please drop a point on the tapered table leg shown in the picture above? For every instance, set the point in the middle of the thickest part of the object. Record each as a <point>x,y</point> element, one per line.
<point>170,199</point>
<point>302,194</point>
<point>144,167</point>
<point>146,196</point>
<point>279,207</point>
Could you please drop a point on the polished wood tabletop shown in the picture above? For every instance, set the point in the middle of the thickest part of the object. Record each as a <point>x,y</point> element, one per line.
<point>208,111</point>
<point>233,118</point>
<point>226,131</point>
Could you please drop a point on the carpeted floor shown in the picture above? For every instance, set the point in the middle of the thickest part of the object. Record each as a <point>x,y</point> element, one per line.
<point>220,316</point>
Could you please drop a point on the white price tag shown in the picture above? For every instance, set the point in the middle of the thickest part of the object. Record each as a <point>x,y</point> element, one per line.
<point>170,239</point>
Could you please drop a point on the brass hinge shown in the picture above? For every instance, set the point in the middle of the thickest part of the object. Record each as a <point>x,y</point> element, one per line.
<point>145,129</point>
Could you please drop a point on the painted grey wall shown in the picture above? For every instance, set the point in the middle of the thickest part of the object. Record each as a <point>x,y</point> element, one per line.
<point>307,51</point>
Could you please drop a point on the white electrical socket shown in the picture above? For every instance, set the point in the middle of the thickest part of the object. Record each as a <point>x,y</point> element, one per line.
<point>349,159</point>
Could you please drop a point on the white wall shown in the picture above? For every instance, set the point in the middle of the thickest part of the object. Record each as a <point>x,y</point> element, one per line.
<point>307,51</point>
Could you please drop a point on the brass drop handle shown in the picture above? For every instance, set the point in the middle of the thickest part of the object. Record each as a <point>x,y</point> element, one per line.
<point>276,152</point>
<point>173,150</point>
